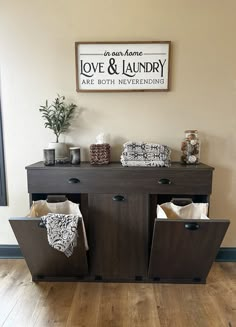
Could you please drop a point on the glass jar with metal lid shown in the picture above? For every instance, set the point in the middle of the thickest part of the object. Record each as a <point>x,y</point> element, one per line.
<point>190,148</point>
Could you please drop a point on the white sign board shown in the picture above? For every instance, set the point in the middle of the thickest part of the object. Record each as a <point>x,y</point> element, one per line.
<point>139,66</point>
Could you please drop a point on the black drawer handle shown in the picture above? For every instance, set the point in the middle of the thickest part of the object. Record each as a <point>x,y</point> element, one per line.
<point>164,181</point>
<point>118,198</point>
<point>41,225</point>
<point>73,180</point>
<point>192,226</point>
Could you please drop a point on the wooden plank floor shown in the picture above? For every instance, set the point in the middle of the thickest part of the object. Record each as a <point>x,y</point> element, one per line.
<point>24,303</point>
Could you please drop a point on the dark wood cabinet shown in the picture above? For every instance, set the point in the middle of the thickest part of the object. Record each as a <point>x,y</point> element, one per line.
<point>118,235</point>
<point>43,261</point>
<point>126,240</point>
<point>183,250</point>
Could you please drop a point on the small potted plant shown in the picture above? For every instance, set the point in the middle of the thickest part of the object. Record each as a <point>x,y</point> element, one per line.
<point>57,116</point>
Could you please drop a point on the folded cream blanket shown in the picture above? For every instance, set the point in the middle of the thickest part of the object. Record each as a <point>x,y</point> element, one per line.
<point>145,155</point>
<point>146,147</point>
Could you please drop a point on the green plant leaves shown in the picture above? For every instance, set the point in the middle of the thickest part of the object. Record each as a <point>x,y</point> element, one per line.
<point>58,115</point>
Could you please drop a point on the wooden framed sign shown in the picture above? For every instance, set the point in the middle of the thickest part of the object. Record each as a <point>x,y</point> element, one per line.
<point>128,66</point>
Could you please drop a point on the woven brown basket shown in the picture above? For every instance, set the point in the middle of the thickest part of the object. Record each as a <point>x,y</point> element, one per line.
<point>100,154</point>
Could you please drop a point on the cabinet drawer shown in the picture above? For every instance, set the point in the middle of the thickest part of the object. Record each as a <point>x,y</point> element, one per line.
<point>175,182</point>
<point>95,180</point>
<point>78,181</point>
<point>43,261</point>
<point>183,250</point>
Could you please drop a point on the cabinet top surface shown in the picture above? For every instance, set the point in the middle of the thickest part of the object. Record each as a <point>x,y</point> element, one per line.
<point>117,165</point>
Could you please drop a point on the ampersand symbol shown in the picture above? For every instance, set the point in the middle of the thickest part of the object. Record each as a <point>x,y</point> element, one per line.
<point>112,69</point>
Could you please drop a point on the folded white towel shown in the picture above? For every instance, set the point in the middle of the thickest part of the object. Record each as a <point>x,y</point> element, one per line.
<point>148,163</point>
<point>145,156</point>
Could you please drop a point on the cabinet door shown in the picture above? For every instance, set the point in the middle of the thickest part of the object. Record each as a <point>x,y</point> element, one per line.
<point>118,235</point>
<point>183,250</point>
<point>44,262</point>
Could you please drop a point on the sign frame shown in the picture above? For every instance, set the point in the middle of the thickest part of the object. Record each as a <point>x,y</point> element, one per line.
<point>88,72</point>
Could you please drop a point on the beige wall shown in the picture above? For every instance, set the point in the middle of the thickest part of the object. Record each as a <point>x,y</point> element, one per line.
<point>37,62</point>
